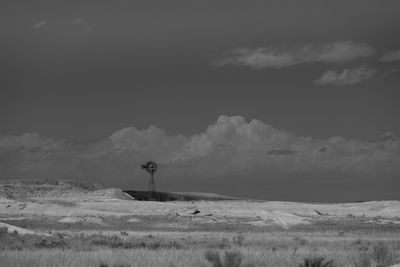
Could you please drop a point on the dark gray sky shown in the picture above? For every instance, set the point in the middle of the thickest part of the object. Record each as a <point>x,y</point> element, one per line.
<point>81,81</point>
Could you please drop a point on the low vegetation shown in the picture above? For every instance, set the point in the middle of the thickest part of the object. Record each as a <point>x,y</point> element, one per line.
<point>317,262</point>
<point>228,259</point>
<point>98,228</point>
<point>199,249</point>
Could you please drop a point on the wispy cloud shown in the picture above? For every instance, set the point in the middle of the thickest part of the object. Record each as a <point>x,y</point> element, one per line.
<point>27,140</point>
<point>82,22</point>
<point>40,24</point>
<point>347,76</point>
<point>280,56</point>
<point>391,56</point>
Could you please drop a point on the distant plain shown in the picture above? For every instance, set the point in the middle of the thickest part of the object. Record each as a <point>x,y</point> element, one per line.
<point>67,223</point>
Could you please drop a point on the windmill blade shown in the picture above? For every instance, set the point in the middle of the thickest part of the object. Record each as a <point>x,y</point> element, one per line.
<point>151,167</point>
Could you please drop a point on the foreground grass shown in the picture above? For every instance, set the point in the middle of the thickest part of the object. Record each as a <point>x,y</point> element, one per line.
<point>116,257</point>
<point>201,249</point>
<point>177,257</point>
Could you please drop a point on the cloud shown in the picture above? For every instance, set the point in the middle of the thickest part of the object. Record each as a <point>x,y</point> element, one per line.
<point>228,146</point>
<point>280,56</point>
<point>347,76</point>
<point>391,56</point>
<point>27,140</point>
<point>82,22</point>
<point>38,25</point>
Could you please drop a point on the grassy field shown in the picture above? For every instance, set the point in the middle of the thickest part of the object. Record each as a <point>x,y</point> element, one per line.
<point>373,247</point>
<point>100,229</point>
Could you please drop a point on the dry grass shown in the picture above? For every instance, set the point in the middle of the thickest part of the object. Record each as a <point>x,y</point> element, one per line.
<point>196,249</point>
<point>176,257</point>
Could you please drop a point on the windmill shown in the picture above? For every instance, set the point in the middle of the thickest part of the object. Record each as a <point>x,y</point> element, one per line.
<point>151,167</point>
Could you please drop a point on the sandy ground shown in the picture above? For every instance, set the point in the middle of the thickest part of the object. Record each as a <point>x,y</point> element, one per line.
<point>283,229</point>
<point>284,214</point>
<point>72,202</point>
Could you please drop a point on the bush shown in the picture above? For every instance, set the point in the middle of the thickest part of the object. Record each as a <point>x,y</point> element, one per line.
<point>230,258</point>
<point>362,245</point>
<point>238,239</point>
<point>175,245</point>
<point>103,264</point>
<point>316,262</point>
<point>111,242</point>
<point>224,243</point>
<point>117,242</point>
<point>44,243</point>
<point>381,255</point>
<point>300,241</point>
<point>3,231</point>
<point>363,261</point>
<point>214,258</point>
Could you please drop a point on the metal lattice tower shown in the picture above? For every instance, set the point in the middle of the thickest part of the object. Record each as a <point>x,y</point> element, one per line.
<point>151,168</point>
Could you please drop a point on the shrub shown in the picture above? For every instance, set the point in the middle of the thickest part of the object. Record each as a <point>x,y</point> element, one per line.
<point>238,239</point>
<point>174,244</point>
<point>103,264</point>
<point>362,245</point>
<point>44,243</point>
<point>214,258</point>
<point>316,262</point>
<point>230,258</point>
<point>380,254</point>
<point>363,261</point>
<point>224,243</point>
<point>3,231</point>
<point>300,241</point>
<point>112,242</point>
<point>153,245</point>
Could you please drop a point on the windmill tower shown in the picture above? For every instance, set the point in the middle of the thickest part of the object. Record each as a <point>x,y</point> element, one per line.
<point>151,168</point>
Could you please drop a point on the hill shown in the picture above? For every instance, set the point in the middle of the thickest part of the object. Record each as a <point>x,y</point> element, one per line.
<point>56,189</point>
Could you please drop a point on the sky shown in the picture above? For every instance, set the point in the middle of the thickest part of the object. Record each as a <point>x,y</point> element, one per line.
<point>276,100</point>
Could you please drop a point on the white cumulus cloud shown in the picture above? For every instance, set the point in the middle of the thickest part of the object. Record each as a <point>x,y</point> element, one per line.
<point>231,145</point>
